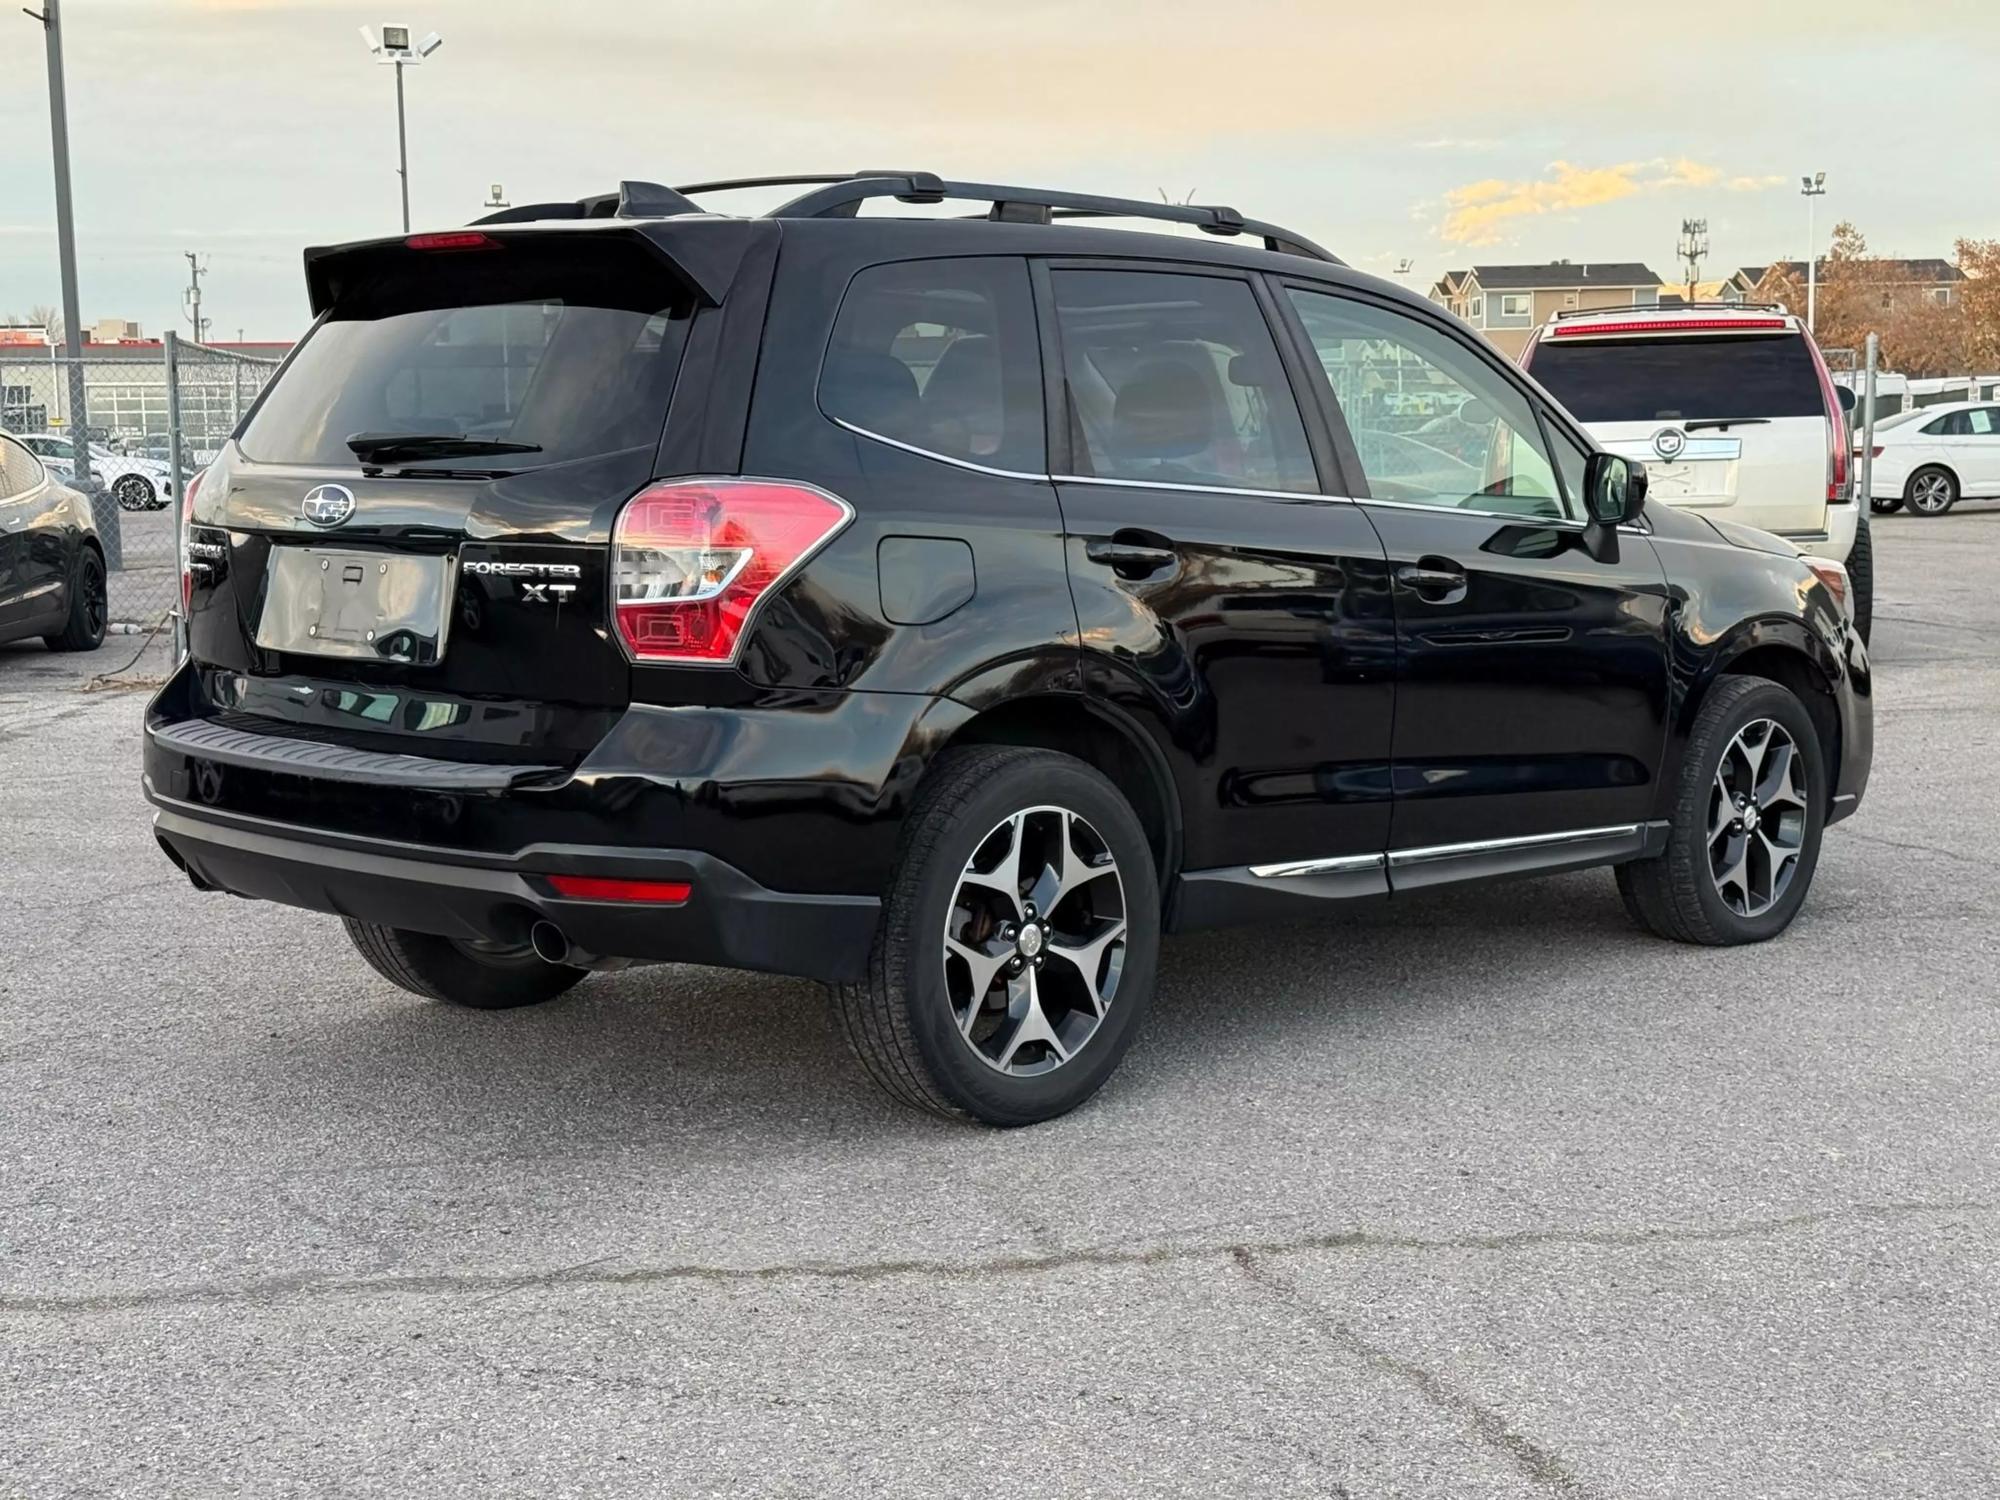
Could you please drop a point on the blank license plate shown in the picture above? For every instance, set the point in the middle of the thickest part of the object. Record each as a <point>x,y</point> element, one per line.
<point>378,606</point>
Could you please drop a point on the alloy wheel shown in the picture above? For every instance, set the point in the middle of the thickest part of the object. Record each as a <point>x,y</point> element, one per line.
<point>1034,942</point>
<point>1930,493</point>
<point>133,492</point>
<point>1757,815</point>
<point>96,603</point>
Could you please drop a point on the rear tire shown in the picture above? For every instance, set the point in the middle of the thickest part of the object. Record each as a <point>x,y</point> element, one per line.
<point>1861,575</point>
<point>1002,989</point>
<point>1689,894</point>
<point>438,968</point>
<point>1886,506</point>
<point>1931,491</point>
<point>88,606</point>
<point>134,492</point>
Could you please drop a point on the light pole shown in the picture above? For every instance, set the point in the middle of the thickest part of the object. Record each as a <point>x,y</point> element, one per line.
<point>394,50</point>
<point>1813,190</point>
<point>50,15</point>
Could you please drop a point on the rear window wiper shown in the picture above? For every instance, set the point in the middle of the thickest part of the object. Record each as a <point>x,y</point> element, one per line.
<point>401,447</point>
<point>1725,422</point>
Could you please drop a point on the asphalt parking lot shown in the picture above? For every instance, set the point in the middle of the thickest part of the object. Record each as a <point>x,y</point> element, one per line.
<point>1478,1195</point>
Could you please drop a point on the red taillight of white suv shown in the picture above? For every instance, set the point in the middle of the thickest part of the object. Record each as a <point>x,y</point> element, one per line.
<point>1837,441</point>
<point>691,558</point>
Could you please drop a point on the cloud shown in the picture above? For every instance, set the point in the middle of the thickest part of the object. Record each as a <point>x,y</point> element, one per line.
<point>1479,212</point>
<point>1756,184</point>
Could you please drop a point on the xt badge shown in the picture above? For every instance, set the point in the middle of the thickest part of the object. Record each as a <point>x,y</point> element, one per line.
<point>541,583</point>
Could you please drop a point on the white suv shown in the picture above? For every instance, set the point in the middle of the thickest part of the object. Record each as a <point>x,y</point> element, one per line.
<point>1732,410</point>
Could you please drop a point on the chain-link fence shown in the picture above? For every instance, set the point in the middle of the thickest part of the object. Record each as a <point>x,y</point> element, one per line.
<point>132,406</point>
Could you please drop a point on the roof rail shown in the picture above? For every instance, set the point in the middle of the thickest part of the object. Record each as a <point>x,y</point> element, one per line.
<point>837,195</point>
<point>1598,312</point>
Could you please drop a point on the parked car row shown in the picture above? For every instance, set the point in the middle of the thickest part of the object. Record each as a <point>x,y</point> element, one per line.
<point>1015,592</point>
<point>52,578</point>
<point>139,483</point>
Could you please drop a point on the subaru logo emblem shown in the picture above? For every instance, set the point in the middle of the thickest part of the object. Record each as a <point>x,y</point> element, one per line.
<point>1669,442</point>
<point>327,504</point>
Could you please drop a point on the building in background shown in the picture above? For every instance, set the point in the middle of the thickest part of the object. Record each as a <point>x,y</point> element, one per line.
<point>125,387</point>
<point>1896,282</point>
<point>1507,303</point>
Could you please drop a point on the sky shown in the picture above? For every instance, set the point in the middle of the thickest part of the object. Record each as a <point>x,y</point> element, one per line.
<point>1450,133</point>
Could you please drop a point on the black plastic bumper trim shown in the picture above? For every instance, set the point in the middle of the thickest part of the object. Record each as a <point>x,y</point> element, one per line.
<point>203,739</point>
<point>730,920</point>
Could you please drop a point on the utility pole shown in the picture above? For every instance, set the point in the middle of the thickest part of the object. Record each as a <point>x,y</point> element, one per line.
<point>1693,248</point>
<point>1813,191</point>
<point>50,15</point>
<point>191,298</point>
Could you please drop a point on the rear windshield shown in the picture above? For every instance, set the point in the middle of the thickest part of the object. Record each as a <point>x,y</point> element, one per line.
<point>1681,379</point>
<point>572,348</point>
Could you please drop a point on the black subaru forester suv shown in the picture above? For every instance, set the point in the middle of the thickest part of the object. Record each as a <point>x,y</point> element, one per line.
<point>945,608</point>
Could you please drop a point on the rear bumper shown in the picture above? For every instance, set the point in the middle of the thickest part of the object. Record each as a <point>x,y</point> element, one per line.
<point>729,919</point>
<point>1843,523</point>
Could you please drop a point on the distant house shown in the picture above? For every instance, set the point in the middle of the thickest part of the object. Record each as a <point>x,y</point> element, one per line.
<point>1895,281</point>
<point>1507,303</point>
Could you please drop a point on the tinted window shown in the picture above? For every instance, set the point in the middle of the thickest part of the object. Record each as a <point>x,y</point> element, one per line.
<point>1175,379</point>
<point>572,348</point>
<point>19,470</point>
<point>942,355</point>
<point>1679,379</point>
<point>1433,421</point>
<point>1951,424</point>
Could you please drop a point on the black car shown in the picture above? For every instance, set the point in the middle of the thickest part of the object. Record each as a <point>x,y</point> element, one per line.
<point>51,562</point>
<point>944,608</point>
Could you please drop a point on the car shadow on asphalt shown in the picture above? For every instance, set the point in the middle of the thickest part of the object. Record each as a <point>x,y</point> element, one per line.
<point>659,1053</point>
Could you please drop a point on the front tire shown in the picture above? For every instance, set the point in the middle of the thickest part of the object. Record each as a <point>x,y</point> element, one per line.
<point>1931,491</point>
<point>1018,941</point>
<point>89,606</point>
<point>134,492</point>
<point>1746,823</point>
<point>476,977</point>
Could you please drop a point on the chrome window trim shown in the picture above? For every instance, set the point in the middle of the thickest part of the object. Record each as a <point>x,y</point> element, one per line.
<point>943,458</point>
<point>1348,863</point>
<point>1199,489</point>
<point>1559,523</point>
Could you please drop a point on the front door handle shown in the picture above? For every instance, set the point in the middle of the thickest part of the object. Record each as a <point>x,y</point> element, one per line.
<point>1431,580</point>
<point>1131,558</point>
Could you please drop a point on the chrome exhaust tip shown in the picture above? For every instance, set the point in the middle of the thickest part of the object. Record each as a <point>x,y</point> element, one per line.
<point>549,942</point>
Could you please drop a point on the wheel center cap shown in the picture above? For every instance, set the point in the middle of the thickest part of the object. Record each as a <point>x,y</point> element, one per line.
<point>1029,943</point>
<point>1750,817</point>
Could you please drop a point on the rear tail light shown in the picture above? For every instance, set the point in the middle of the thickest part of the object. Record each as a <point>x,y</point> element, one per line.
<point>691,559</point>
<point>187,521</point>
<point>1837,441</point>
<point>600,888</point>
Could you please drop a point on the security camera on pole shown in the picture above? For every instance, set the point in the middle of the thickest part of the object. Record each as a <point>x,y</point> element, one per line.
<point>395,50</point>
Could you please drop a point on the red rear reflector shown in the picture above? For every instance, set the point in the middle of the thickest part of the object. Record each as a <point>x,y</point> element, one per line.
<point>690,558</point>
<point>600,888</point>
<point>452,239</point>
<point>187,520</point>
<point>1673,325</point>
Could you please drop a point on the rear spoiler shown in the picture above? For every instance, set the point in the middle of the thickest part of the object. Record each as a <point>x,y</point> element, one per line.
<point>703,254</point>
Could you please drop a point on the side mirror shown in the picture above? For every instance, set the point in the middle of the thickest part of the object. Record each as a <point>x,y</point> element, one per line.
<point>1614,489</point>
<point>1475,413</point>
<point>1846,397</point>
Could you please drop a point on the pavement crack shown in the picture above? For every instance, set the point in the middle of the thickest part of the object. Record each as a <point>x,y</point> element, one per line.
<point>1539,1464</point>
<point>596,1275</point>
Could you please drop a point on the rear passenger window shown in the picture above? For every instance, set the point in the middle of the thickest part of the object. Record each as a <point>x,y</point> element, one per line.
<point>1175,379</point>
<point>941,355</point>
<point>19,470</point>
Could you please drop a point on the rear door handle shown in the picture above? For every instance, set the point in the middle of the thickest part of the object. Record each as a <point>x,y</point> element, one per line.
<point>1131,559</point>
<point>1431,580</point>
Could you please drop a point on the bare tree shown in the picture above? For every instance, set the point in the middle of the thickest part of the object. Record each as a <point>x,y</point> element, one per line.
<point>50,318</point>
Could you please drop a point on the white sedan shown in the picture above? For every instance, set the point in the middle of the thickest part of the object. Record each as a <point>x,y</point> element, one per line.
<point>1932,457</point>
<point>139,483</point>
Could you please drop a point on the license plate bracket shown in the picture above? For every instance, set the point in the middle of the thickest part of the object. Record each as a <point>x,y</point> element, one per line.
<point>374,606</point>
